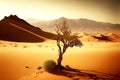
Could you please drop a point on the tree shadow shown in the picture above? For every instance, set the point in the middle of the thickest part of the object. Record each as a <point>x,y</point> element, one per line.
<point>76,74</point>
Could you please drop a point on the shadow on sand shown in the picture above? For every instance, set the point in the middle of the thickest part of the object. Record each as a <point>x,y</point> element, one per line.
<point>76,74</point>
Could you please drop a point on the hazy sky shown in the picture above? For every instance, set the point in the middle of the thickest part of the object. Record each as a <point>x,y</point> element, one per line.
<point>99,10</point>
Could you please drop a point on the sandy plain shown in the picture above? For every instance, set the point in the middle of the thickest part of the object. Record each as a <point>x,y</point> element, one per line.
<point>15,56</point>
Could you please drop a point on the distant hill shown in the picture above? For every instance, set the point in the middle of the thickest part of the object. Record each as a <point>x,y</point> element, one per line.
<point>80,25</point>
<point>12,28</point>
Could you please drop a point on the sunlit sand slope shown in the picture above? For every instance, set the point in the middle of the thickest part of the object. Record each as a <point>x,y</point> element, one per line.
<point>14,57</point>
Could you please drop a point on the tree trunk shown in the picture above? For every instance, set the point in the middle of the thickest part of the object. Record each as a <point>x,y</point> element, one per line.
<point>59,60</point>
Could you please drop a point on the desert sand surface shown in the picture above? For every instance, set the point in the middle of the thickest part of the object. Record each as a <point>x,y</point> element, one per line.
<point>15,56</point>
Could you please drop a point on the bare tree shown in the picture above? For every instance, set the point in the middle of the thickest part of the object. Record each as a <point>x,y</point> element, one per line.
<point>65,39</point>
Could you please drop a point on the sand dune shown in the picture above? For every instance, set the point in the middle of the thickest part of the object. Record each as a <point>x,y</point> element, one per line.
<point>30,32</point>
<point>12,28</point>
<point>100,37</point>
<point>97,56</point>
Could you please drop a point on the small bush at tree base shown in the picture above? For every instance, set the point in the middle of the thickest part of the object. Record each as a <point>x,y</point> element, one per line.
<point>49,65</point>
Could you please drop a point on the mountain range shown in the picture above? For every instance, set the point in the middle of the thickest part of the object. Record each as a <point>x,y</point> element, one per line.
<point>80,25</point>
<point>12,28</point>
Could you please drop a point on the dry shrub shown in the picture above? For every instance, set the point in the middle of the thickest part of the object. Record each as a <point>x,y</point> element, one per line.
<point>49,65</point>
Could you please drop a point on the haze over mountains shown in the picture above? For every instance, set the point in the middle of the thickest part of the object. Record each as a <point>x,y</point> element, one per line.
<point>80,25</point>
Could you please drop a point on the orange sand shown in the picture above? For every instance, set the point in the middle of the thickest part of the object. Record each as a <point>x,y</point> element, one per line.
<point>99,56</point>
